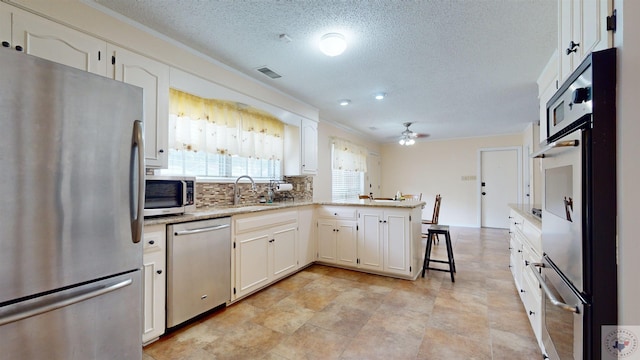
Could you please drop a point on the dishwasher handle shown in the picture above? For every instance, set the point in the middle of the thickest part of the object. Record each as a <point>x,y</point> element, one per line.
<point>201,230</point>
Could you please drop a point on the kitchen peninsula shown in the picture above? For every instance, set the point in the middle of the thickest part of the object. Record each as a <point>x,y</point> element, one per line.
<point>271,241</point>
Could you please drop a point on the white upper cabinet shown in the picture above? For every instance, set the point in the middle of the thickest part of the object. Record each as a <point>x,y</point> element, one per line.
<point>52,41</point>
<point>548,84</point>
<point>582,28</point>
<point>5,25</point>
<point>301,148</point>
<point>153,77</point>
<point>309,147</point>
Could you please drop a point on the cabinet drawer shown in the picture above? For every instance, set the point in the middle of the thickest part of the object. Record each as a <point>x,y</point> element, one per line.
<point>154,238</point>
<point>247,223</point>
<point>532,234</point>
<point>338,212</point>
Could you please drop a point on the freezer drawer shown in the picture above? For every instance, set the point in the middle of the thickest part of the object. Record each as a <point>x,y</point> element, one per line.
<point>106,326</point>
<point>198,268</point>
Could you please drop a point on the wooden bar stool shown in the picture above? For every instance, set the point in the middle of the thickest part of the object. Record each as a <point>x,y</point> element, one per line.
<point>435,230</point>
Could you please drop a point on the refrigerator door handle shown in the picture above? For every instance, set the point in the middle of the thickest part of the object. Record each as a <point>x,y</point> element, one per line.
<point>137,147</point>
<point>48,305</point>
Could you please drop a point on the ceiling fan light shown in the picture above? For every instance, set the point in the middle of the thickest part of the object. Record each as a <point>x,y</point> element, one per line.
<point>401,142</point>
<point>410,142</point>
<point>333,44</point>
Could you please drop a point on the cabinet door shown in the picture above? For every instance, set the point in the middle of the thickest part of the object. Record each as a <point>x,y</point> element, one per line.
<point>283,245</point>
<point>309,131</point>
<point>397,242</point>
<point>306,237</point>
<point>565,36</point>
<point>252,262</point>
<point>52,41</point>
<point>370,239</point>
<point>326,240</point>
<point>154,275</point>
<point>347,243</point>
<point>153,77</point>
<point>5,25</point>
<point>593,19</point>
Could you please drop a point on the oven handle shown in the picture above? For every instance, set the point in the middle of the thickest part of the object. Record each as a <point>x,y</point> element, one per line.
<point>550,295</point>
<point>553,145</point>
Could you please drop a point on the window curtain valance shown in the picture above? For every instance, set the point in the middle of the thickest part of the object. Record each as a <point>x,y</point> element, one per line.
<point>348,156</point>
<point>223,127</point>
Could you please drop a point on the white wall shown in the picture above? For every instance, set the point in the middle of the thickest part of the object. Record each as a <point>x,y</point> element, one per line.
<point>437,167</point>
<point>322,181</point>
<point>628,163</point>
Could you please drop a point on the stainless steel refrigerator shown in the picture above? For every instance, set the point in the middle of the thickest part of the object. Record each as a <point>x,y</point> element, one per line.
<point>71,194</point>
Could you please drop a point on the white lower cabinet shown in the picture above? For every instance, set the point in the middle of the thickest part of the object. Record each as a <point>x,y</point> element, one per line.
<point>370,239</point>
<point>337,235</point>
<point>265,248</point>
<point>154,275</point>
<point>525,248</point>
<point>381,240</point>
<point>397,242</point>
<point>306,236</point>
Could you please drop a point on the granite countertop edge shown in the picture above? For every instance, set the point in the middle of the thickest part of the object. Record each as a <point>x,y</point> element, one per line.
<point>212,213</point>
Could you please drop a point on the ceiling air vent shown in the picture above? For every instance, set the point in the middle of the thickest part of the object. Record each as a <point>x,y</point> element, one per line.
<point>270,73</point>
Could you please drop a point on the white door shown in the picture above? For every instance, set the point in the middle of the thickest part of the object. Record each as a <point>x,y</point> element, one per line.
<point>499,185</point>
<point>372,180</point>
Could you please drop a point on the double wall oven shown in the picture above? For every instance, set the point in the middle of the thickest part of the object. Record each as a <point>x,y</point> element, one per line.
<point>578,272</point>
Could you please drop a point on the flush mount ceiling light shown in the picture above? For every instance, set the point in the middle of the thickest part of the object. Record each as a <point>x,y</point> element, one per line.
<point>380,96</point>
<point>333,44</point>
<point>344,102</point>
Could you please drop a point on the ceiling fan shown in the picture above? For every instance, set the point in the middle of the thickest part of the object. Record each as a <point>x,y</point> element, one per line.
<point>407,137</point>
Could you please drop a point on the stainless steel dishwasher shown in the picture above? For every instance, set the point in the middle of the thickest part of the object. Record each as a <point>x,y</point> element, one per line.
<point>198,268</point>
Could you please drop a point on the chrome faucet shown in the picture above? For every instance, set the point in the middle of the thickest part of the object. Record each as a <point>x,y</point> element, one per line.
<point>236,192</point>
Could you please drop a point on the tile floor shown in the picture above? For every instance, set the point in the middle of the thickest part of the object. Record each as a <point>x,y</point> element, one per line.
<point>330,313</point>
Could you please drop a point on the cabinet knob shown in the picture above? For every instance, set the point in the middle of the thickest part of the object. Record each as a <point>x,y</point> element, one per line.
<point>531,312</point>
<point>161,151</point>
<point>159,272</point>
<point>272,240</point>
<point>18,48</point>
<point>151,242</point>
<point>6,44</point>
<point>573,47</point>
<point>484,193</point>
<point>521,290</point>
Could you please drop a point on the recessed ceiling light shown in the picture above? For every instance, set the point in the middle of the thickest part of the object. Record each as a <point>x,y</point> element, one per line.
<point>333,44</point>
<point>380,96</point>
<point>344,102</point>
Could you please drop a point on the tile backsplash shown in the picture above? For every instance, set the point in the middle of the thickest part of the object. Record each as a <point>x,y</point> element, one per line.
<point>215,194</point>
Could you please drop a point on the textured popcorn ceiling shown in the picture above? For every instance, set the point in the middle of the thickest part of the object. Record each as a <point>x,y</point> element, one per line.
<point>456,68</point>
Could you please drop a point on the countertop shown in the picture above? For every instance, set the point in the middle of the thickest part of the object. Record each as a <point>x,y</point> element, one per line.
<point>213,213</point>
<point>525,211</point>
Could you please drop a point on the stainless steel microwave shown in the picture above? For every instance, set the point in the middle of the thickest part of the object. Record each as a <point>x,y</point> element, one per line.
<point>165,195</point>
